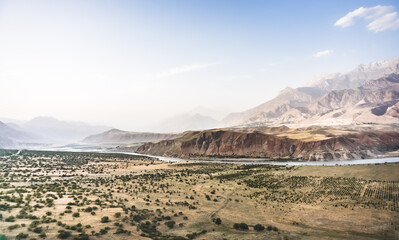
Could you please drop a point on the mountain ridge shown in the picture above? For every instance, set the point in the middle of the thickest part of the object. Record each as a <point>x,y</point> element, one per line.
<point>292,104</point>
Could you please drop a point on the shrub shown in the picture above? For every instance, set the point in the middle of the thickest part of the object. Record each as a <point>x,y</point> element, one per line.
<point>62,234</point>
<point>42,235</point>
<point>22,236</point>
<point>269,228</point>
<point>12,227</point>
<point>218,221</point>
<point>105,219</point>
<point>236,226</point>
<point>81,236</point>
<point>10,219</point>
<point>241,226</point>
<point>170,224</point>
<point>38,230</point>
<point>259,227</point>
<point>117,215</point>
<point>76,214</point>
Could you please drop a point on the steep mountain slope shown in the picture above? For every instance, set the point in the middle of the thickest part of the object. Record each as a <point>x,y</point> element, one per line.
<point>306,144</point>
<point>116,136</point>
<point>297,105</point>
<point>289,99</point>
<point>368,103</point>
<point>356,77</point>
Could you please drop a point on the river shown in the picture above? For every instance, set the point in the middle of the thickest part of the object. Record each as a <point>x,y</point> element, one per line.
<point>79,148</point>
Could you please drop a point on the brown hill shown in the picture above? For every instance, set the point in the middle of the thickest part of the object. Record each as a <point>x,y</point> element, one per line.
<point>320,144</point>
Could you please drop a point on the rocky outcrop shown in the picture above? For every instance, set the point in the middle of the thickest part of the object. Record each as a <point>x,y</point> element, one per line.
<point>227,143</point>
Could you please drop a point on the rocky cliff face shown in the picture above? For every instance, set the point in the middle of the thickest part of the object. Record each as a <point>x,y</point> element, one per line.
<point>227,143</point>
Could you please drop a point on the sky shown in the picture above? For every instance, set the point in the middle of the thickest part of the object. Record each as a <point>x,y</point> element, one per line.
<point>130,64</point>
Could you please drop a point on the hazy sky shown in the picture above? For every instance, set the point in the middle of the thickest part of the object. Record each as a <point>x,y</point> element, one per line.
<point>129,64</point>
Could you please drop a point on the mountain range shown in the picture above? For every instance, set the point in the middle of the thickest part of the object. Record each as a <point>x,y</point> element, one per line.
<point>45,130</point>
<point>342,115</point>
<point>367,90</point>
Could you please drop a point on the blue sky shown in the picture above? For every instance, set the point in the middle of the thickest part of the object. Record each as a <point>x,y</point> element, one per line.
<point>130,64</point>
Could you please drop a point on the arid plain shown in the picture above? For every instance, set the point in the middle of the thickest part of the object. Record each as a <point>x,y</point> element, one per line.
<point>66,195</point>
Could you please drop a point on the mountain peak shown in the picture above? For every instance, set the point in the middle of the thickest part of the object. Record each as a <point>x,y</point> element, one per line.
<point>356,77</point>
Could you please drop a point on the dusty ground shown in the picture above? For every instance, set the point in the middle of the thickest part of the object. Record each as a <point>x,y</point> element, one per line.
<point>147,199</point>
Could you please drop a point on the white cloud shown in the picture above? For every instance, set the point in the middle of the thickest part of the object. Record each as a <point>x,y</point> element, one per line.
<point>380,18</point>
<point>323,53</point>
<point>183,69</point>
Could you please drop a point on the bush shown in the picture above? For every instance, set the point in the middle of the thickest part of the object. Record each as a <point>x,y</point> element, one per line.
<point>22,236</point>
<point>81,236</point>
<point>42,235</point>
<point>117,215</point>
<point>10,219</point>
<point>105,219</point>
<point>243,226</point>
<point>259,227</point>
<point>38,230</point>
<point>62,234</point>
<point>218,221</point>
<point>12,227</point>
<point>269,228</point>
<point>76,214</point>
<point>170,224</point>
<point>240,226</point>
<point>236,226</point>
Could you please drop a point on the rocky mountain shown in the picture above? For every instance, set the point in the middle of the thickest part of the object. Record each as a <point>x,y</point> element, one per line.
<point>373,83</point>
<point>306,144</point>
<point>374,101</point>
<point>288,100</point>
<point>10,137</point>
<point>186,122</point>
<point>51,130</point>
<point>356,77</point>
<point>116,137</point>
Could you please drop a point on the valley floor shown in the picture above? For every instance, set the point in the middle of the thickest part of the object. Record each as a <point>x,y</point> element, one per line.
<point>65,195</point>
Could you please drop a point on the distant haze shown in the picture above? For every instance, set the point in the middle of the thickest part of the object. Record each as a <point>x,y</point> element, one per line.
<point>135,64</point>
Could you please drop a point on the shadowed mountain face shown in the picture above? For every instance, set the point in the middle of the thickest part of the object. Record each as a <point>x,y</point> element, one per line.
<point>372,86</point>
<point>116,136</point>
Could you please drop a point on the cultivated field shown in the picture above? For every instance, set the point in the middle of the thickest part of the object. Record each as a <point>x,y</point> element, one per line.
<point>64,195</point>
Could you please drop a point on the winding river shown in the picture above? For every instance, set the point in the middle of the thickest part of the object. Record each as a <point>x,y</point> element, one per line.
<point>260,161</point>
